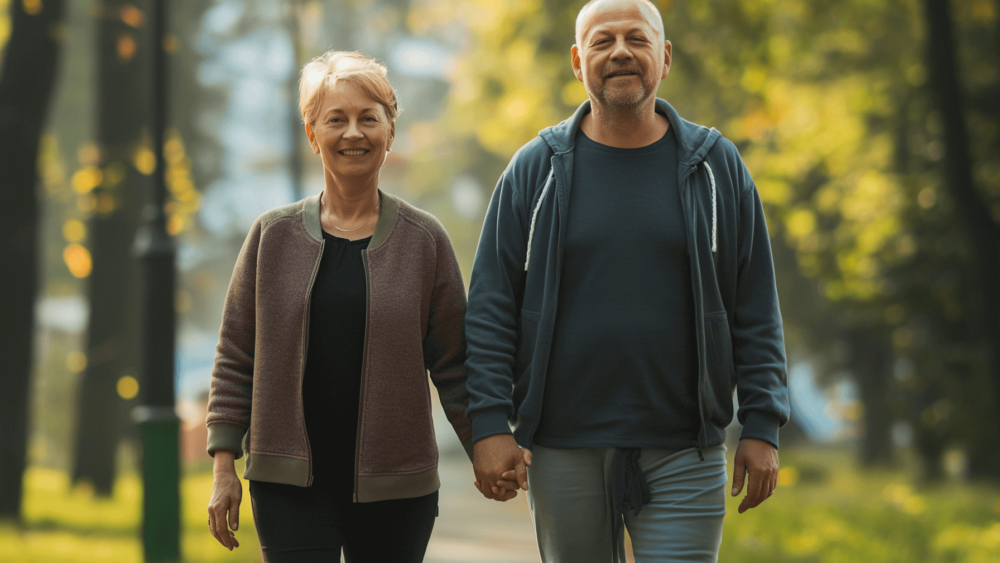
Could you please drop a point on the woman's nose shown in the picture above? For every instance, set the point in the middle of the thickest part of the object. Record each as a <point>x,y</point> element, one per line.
<point>353,131</point>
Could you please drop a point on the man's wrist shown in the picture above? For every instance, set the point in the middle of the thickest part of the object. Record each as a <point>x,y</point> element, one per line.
<point>762,426</point>
<point>489,422</point>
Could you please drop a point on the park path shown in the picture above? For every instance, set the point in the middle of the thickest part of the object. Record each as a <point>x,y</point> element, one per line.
<point>471,528</point>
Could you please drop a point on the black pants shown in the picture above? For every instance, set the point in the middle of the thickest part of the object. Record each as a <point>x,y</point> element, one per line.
<point>312,524</point>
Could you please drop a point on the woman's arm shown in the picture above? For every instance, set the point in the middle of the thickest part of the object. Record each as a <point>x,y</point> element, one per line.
<point>231,390</point>
<point>230,395</point>
<point>444,343</point>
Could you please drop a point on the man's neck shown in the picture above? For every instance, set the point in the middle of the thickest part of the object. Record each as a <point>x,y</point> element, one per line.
<point>625,128</point>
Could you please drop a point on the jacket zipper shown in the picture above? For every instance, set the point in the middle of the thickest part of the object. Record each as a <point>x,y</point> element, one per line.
<point>364,363</point>
<point>305,355</point>
<point>555,296</point>
<point>691,229</point>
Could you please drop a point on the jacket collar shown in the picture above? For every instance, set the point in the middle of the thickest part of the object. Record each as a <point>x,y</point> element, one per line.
<point>386,217</point>
<point>693,140</point>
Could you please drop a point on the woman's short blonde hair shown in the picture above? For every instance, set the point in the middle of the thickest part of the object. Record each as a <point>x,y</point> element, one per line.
<point>325,71</point>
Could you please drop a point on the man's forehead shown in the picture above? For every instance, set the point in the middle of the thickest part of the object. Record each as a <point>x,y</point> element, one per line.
<point>602,13</point>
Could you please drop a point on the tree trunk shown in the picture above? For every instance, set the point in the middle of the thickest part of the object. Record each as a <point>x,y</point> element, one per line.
<point>872,365</point>
<point>26,85</point>
<point>983,230</point>
<point>112,332</point>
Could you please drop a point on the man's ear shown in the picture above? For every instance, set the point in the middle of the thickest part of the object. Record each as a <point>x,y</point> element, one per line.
<point>668,56</point>
<point>312,138</point>
<point>574,54</point>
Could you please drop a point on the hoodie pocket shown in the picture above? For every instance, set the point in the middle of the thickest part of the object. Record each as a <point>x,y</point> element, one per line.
<point>721,370</point>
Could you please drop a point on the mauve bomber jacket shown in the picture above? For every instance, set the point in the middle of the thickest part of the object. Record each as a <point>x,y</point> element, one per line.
<point>415,325</point>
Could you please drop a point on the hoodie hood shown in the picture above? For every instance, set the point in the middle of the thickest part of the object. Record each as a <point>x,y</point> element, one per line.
<point>693,140</point>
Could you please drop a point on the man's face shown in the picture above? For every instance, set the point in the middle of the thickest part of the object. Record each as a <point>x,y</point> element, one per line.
<point>620,56</point>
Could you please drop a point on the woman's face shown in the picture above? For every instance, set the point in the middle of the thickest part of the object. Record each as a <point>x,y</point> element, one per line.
<point>352,133</point>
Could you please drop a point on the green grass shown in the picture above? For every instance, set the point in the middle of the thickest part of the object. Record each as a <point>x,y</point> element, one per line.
<point>828,512</point>
<point>64,525</point>
<point>825,511</point>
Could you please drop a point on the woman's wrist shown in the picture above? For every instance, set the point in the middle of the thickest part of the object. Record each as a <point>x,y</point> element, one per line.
<point>224,462</point>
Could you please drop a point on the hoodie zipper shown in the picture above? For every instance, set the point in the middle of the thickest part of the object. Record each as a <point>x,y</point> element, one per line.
<point>364,363</point>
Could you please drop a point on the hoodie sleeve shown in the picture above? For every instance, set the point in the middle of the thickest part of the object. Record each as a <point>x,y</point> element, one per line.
<point>757,333</point>
<point>444,343</point>
<point>495,291</point>
<point>231,391</point>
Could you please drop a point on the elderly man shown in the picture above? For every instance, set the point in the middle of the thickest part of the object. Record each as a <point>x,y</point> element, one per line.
<point>622,288</point>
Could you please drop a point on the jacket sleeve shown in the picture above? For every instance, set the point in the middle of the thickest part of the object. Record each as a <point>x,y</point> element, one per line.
<point>444,340</point>
<point>757,333</point>
<point>495,291</point>
<point>231,391</point>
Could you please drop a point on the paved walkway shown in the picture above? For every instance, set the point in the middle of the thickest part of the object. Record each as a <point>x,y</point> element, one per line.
<point>471,528</point>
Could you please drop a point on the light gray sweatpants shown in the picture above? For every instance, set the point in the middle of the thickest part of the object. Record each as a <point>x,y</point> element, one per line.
<point>569,492</point>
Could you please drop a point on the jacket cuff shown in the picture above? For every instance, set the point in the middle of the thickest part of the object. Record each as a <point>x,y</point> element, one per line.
<point>761,425</point>
<point>228,437</point>
<point>489,422</point>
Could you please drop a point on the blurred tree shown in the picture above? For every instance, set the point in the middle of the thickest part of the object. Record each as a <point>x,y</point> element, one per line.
<point>115,187</point>
<point>26,84</point>
<point>980,219</point>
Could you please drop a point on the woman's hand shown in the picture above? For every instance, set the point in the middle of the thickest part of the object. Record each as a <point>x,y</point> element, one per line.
<point>227,492</point>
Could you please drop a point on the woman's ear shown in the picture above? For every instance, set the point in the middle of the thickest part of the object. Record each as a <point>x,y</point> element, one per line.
<point>312,138</point>
<point>392,136</point>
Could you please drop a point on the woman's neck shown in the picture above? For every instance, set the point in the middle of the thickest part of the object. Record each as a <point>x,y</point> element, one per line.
<point>349,200</point>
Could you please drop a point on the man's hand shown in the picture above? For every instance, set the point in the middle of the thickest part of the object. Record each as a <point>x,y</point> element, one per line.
<point>491,458</point>
<point>509,479</point>
<point>760,460</point>
<point>227,492</point>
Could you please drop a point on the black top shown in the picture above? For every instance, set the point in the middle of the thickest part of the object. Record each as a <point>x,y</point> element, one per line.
<point>332,386</point>
<point>623,367</point>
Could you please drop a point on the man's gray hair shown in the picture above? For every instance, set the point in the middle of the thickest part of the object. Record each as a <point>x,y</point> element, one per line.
<point>653,14</point>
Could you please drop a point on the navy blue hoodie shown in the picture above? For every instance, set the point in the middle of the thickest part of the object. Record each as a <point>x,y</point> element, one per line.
<point>514,287</point>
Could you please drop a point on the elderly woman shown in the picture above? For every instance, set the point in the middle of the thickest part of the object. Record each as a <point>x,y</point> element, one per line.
<point>338,308</point>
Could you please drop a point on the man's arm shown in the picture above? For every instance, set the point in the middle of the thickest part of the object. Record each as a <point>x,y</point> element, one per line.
<point>758,353</point>
<point>495,290</point>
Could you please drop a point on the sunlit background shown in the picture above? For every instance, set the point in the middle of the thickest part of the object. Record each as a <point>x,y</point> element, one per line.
<point>883,211</point>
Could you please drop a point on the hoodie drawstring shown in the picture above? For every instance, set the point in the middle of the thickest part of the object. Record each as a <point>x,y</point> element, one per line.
<point>711,179</point>
<point>534,218</point>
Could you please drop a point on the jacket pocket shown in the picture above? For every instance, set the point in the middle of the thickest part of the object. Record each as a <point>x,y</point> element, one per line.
<point>718,390</point>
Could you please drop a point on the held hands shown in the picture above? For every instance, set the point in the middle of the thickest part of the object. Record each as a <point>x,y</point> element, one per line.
<point>760,460</point>
<point>500,467</point>
<point>227,492</point>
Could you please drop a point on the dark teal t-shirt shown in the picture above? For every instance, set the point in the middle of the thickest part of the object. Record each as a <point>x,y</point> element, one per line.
<point>623,366</point>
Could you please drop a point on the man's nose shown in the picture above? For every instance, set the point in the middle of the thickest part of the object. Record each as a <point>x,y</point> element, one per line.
<point>621,51</point>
